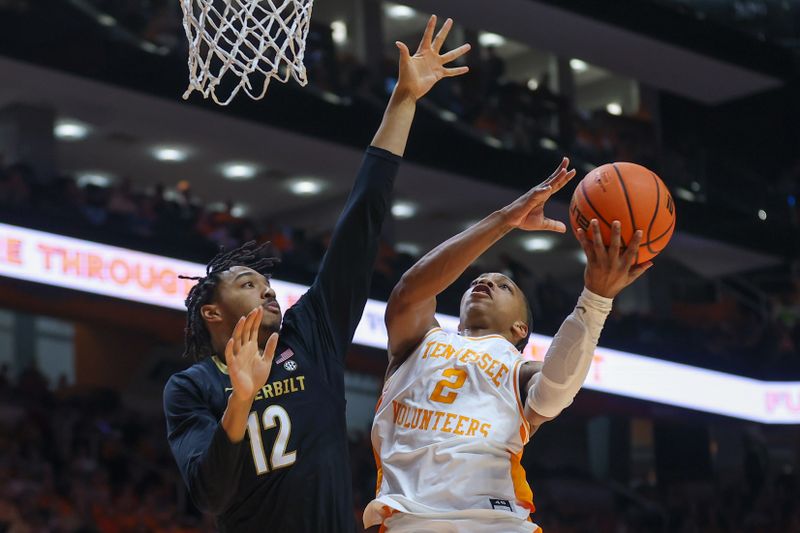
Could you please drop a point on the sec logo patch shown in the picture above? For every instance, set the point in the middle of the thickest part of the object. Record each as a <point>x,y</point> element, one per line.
<point>290,366</point>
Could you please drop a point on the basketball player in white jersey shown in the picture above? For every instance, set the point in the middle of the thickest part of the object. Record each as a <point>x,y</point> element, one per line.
<point>458,407</point>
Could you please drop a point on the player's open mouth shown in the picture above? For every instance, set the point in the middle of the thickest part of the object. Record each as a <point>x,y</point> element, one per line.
<point>482,289</point>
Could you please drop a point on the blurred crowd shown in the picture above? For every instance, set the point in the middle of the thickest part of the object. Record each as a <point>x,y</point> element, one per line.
<point>80,461</point>
<point>714,332</point>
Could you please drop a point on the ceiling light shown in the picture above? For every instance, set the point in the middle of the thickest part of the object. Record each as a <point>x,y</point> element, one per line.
<point>491,39</point>
<point>399,11</point>
<point>695,186</point>
<point>169,153</point>
<point>70,130</point>
<point>533,84</point>
<point>99,179</point>
<point>448,115</point>
<point>239,210</point>
<point>614,108</point>
<point>106,20</point>
<point>762,215</point>
<point>404,209</point>
<point>494,142</point>
<point>239,171</point>
<point>408,248</point>
<point>548,144</point>
<point>538,244</point>
<point>685,194</point>
<point>339,31</point>
<point>578,66</point>
<point>305,186</point>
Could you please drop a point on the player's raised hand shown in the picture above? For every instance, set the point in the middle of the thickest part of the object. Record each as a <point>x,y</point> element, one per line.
<point>527,211</point>
<point>421,71</point>
<point>248,366</point>
<point>610,269</point>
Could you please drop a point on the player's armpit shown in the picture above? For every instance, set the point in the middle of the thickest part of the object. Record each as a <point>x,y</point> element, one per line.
<point>407,323</point>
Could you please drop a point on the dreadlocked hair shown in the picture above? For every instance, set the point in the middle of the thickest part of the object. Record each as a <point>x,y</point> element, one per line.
<point>197,338</point>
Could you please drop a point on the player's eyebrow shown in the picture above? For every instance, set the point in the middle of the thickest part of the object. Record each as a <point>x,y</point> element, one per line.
<point>245,274</point>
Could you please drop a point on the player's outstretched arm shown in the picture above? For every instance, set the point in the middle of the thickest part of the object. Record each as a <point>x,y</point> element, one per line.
<point>207,450</point>
<point>411,307</point>
<point>340,292</point>
<point>418,73</point>
<point>566,364</point>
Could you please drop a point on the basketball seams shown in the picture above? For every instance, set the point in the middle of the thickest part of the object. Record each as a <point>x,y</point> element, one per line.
<point>596,212</point>
<point>655,213</point>
<point>589,202</point>
<point>628,203</point>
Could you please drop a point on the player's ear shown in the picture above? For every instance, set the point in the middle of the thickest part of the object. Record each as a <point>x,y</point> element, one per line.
<point>211,313</point>
<point>520,329</point>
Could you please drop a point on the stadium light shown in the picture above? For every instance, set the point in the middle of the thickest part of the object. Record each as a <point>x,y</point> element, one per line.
<point>491,39</point>
<point>339,31</point>
<point>70,130</point>
<point>239,171</point>
<point>169,153</point>
<point>399,11</point>
<point>578,65</point>
<point>538,244</point>
<point>403,209</point>
<point>614,108</point>
<point>305,186</point>
<point>99,179</point>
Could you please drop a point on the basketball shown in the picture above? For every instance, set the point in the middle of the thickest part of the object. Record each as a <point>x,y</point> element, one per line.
<point>632,194</point>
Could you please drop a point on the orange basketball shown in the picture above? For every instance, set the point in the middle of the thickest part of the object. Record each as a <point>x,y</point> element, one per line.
<point>632,194</point>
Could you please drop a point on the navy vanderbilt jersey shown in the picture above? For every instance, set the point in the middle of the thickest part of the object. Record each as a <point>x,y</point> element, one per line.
<point>291,472</point>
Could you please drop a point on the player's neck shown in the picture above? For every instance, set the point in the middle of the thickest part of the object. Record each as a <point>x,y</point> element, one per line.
<point>479,331</point>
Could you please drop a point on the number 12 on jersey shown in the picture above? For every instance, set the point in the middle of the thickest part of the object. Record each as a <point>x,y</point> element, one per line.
<point>273,415</point>
<point>454,379</point>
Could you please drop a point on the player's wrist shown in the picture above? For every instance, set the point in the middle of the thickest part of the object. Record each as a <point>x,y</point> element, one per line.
<point>402,95</point>
<point>238,400</point>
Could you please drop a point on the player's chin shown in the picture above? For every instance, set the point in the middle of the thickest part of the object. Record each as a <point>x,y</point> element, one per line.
<point>271,319</point>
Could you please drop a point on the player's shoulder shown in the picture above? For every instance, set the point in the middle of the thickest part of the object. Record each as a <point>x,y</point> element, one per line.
<point>197,377</point>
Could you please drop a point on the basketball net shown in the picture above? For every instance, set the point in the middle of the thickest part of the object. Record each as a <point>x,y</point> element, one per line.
<point>254,40</point>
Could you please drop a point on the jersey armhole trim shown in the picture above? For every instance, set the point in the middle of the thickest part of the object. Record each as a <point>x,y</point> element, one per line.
<point>520,407</point>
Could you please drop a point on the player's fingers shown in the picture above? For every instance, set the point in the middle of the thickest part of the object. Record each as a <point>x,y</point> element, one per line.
<point>597,240</point>
<point>455,53</point>
<point>404,53</point>
<point>229,355</point>
<point>255,326</point>
<point>616,240</point>
<point>562,179</point>
<point>442,35</point>
<point>586,245</point>
<point>632,252</point>
<point>427,37</point>
<point>269,349</point>
<point>557,171</point>
<point>248,324</point>
<point>636,271</point>
<point>549,224</point>
<point>237,335</point>
<point>457,71</point>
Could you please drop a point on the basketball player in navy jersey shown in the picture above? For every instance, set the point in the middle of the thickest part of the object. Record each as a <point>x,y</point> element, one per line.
<point>262,443</point>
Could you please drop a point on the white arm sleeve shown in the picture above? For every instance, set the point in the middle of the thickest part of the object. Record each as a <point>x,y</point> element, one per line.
<point>569,357</point>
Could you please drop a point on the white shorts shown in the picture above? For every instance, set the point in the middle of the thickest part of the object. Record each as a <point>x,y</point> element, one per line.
<point>408,523</point>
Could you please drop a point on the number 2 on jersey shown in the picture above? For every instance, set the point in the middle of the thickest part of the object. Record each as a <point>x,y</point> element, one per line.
<point>438,394</point>
<point>273,415</point>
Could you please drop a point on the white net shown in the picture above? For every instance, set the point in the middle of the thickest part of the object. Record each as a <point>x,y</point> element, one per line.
<point>250,41</point>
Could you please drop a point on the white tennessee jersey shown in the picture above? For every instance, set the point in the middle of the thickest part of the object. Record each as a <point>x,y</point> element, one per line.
<point>449,432</point>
